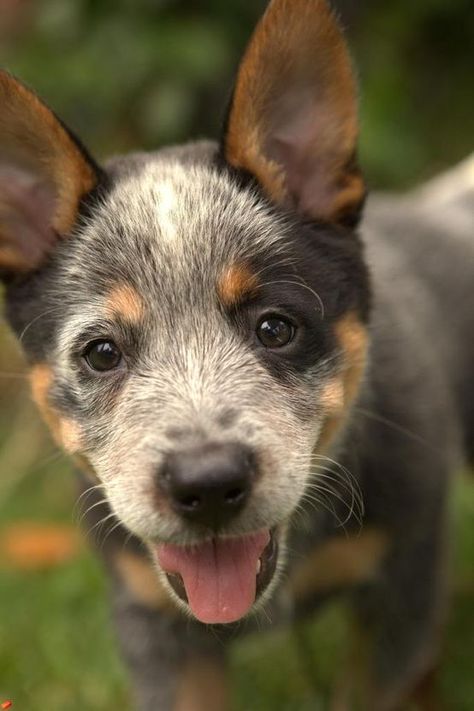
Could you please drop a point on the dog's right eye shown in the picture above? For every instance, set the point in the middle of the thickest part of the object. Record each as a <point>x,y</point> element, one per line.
<point>102,355</point>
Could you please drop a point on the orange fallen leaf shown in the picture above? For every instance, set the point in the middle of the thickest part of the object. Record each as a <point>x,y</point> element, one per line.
<point>38,546</point>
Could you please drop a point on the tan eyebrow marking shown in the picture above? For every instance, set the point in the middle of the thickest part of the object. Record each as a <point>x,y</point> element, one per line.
<point>235,283</point>
<point>125,301</point>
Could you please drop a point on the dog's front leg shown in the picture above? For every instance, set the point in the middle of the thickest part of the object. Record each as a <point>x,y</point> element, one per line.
<point>175,663</point>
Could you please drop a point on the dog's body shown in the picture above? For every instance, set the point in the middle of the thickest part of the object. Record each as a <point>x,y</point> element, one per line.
<point>203,344</point>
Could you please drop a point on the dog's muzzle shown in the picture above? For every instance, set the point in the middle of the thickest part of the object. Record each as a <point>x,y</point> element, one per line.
<point>207,486</point>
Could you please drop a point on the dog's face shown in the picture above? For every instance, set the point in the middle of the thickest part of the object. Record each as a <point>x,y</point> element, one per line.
<point>195,320</point>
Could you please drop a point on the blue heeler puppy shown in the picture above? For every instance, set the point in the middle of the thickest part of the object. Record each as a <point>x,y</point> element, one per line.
<point>205,341</point>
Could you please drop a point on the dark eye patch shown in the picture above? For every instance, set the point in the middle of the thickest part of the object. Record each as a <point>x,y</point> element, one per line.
<point>125,336</point>
<point>287,337</point>
<point>290,321</point>
<point>105,348</point>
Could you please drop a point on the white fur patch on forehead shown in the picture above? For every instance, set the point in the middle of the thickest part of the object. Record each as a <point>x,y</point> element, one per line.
<point>179,205</point>
<point>166,210</point>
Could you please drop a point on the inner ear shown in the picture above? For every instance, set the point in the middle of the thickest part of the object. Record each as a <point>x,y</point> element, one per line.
<point>44,175</point>
<point>293,116</point>
<point>26,207</point>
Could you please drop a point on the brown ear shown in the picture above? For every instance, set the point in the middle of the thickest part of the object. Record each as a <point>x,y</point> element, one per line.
<point>44,174</point>
<point>293,117</point>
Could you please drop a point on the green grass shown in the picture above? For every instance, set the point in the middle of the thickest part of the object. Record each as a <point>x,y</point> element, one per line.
<point>57,648</point>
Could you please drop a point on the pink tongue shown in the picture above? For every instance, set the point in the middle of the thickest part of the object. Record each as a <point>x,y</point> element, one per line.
<point>219,575</point>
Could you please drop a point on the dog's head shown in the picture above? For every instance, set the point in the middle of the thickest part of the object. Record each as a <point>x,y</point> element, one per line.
<point>194,319</point>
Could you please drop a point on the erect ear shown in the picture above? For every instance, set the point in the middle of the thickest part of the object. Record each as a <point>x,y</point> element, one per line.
<point>44,173</point>
<point>293,115</point>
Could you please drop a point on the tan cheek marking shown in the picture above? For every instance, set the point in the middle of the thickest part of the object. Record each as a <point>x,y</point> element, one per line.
<point>143,583</point>
<point>338,394</point>
<point>353,338</point>
<point>65,431</point>
<point>332,400</point>
<point>332,397</point>
<point>339,562</point>
<point>235,283</point>
<point>70,434</point>
<point>123,300</point>
<point>203,687</point>
<point>41,378</point>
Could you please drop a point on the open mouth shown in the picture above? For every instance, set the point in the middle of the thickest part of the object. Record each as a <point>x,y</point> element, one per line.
<point>221,579</point>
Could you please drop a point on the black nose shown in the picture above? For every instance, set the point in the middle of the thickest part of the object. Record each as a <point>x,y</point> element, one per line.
<point>209,484</point>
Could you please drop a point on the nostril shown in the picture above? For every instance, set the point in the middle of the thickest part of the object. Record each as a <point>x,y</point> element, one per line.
<point>190,503</point>
<point>234,496</point>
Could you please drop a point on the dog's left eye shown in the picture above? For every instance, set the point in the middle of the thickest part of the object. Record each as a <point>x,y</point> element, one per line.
<point>102,355</point>
<point>275,332</point>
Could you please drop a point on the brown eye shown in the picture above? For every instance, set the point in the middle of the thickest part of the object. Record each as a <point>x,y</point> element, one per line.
<point>102,355</point>
<point>275,332</point>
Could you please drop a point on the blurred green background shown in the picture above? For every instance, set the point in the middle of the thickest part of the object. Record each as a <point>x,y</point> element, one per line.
<point>134,74</point>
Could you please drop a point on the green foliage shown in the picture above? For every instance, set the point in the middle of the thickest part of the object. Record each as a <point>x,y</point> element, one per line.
<point>416,70</point>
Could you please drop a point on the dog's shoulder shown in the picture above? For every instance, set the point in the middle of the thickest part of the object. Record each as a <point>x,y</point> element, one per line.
<point>420,249</point>
<point>438,214</point>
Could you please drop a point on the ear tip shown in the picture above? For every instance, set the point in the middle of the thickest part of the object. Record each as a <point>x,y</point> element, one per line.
<point>6,80</point>
<point>292,121</point>
<point>45,174</point>
<point>10,85</point>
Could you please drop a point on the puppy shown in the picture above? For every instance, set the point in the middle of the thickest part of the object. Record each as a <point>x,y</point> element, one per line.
<point>248,385</point>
